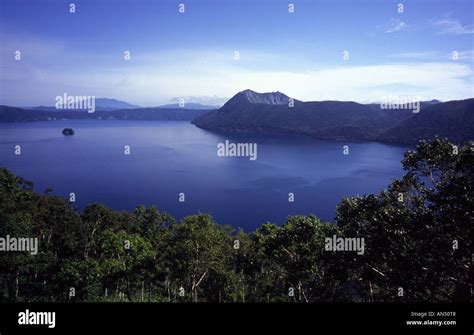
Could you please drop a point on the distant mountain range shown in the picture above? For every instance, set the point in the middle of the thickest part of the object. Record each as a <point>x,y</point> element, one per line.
<point>209,100</point>
<point>101,104</point>
<point>14,114</point>
<point>189,105</point>
<point>105,104</point>
<point>252,112</point>
<point>249,111</point>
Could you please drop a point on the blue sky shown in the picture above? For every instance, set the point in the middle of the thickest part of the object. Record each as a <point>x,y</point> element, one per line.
<point>191,54</point>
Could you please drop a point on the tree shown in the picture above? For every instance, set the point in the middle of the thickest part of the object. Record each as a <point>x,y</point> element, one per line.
<point>417,233</point>
<point>201,258</point>
<point>417,230</point>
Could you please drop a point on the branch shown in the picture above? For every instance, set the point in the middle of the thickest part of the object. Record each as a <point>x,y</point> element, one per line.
<point>292,255</point>
<point>200,279</point>
<point>379,272</point>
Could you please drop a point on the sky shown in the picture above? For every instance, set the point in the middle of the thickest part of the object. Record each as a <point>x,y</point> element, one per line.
<point>357,50</point>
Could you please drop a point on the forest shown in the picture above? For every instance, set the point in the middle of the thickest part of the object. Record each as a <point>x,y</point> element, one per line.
<point>417,233</point>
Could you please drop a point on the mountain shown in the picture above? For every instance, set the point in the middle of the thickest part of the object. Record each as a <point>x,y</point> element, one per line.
<point>189,105</point>
<point>452,119</point>
<point>432,102</point>
<point>249,111</point>
<point>14,114</point>
<point>273,98</point>
<point>207,100</point>
<point>103,104</point>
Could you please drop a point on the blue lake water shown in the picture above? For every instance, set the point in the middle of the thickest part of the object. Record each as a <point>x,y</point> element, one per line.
<point>167,158</point>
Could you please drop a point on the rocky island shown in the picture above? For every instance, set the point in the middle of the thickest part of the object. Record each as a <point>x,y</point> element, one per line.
<point>68,131</point>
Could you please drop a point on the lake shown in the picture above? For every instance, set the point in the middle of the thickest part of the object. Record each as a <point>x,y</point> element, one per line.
<point>167,158</point>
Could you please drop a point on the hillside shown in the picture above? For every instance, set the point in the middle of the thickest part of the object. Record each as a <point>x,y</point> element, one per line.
<point>453,120</point>
<point>249,111</point>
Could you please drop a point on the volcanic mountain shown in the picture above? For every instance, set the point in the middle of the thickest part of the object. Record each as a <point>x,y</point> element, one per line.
<point>275,112</point>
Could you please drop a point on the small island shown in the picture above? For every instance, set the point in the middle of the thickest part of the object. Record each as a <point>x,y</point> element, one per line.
<point>68,131</point>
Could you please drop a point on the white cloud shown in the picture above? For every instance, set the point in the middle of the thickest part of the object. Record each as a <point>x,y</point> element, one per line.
<point>157,79</point>
<point>444,81</point>
<point>453,27</point>
<point>465,55</point>
<point>395,25</point>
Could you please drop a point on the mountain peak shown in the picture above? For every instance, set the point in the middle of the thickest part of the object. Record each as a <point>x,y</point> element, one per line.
<point>270,98</point>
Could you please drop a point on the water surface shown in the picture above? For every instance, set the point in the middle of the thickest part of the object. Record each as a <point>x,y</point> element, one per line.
<point>167,158</point>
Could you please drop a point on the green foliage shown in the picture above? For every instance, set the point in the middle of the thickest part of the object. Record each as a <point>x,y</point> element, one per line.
<point>417,236</point>
<point>412,228</point>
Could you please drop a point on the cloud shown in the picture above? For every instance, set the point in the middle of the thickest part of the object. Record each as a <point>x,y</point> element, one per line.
<point>395,25</point>
<point>452,26</point>
<point>155,79</point>
<point>145,86</point>
<point>445,81</point>
<point>465,55</point>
